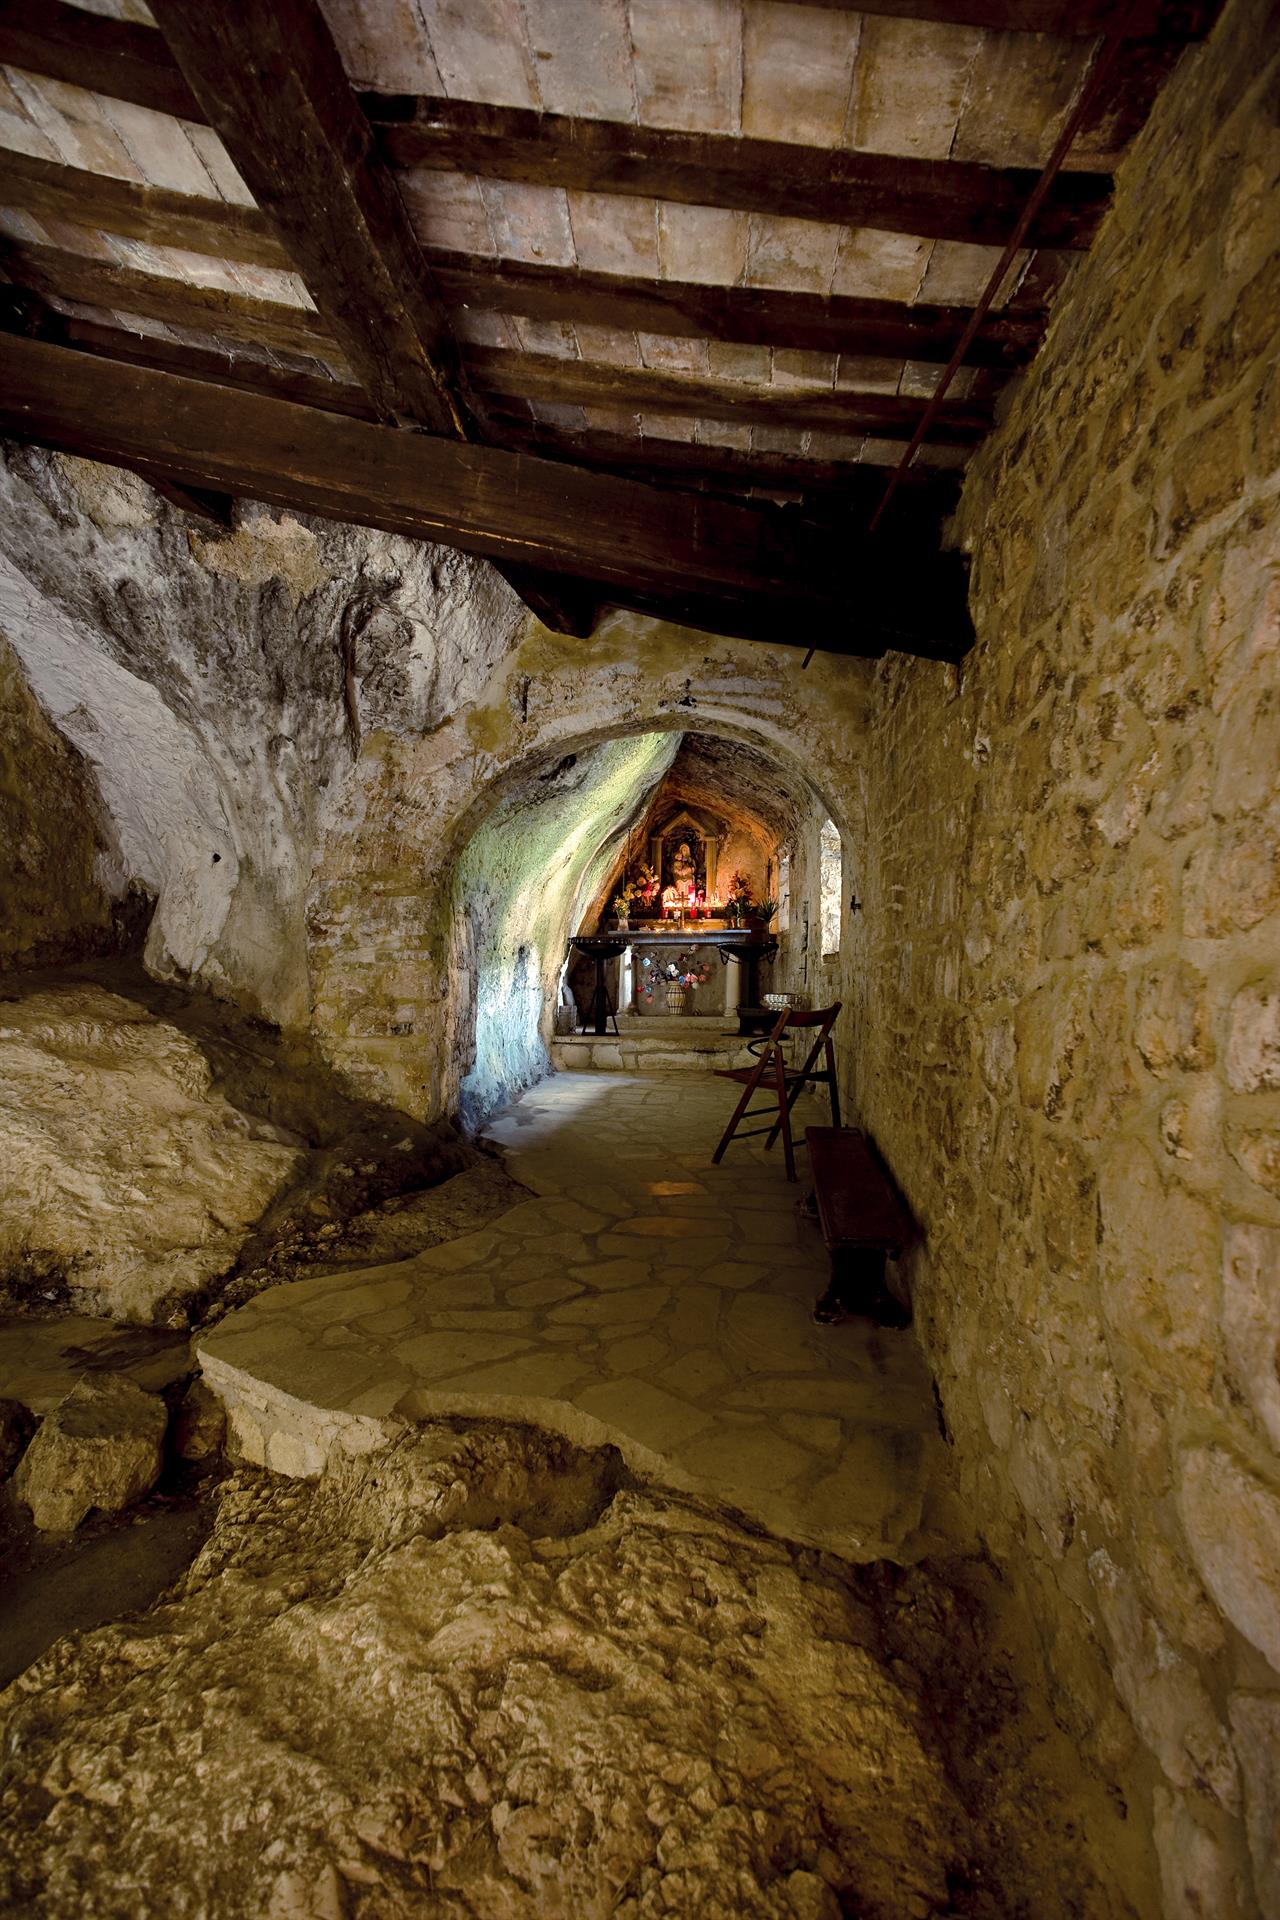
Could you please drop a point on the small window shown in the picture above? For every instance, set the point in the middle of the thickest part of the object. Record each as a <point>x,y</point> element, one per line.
<point>784,889</point>
<point>831,877</point>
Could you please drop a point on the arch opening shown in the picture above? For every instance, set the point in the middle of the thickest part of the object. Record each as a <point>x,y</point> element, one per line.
<point>565,838</point>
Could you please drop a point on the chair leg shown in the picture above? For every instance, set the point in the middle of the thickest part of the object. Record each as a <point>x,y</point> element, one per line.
<point>784,1120</point>
<point>832,1086</point>
<point>739,1110</point>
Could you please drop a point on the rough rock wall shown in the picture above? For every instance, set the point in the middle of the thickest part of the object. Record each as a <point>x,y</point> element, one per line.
<point>51,827</point>
<point>297,727</point>
<point>221,686</point>
<point>1069,973</point>
<point>520,890</point>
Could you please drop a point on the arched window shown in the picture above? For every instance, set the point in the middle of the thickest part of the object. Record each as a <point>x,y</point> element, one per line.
<point>831,888</point>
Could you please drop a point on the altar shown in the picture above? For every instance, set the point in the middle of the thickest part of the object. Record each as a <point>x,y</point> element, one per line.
<point>730,956</point>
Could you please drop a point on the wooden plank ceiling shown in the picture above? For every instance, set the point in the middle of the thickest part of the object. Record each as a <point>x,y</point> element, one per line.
<point>644,299</point>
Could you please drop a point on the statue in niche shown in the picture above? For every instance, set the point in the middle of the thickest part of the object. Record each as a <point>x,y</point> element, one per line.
<point>684,872</point>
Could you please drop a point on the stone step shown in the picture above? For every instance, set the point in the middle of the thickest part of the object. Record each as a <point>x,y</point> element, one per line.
<point>651,1043</point>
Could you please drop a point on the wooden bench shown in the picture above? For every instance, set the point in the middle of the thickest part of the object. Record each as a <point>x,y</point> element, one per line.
<point>862,1219</point>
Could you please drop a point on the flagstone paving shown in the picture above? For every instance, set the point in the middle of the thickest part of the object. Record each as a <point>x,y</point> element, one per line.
<point>644,1298</point>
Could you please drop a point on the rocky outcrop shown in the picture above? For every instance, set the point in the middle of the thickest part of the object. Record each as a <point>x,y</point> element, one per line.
<point>472,1676</point>
<point>126,1182</point>
<point>101,1448</point>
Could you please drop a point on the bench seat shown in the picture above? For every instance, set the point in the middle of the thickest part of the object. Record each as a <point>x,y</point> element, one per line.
<point>862,1219</point>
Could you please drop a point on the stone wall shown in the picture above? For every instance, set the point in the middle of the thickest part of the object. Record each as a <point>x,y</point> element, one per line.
<point>1068,983</point>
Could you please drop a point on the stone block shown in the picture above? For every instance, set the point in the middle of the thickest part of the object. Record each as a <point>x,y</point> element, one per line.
<point>1166,1699</point>
<point>1233,882</point>
<point>1171,1018</point>
<point>1251,1317</point>
<point>1159,1272</point>
<point>101,1447</point>
<point>1232,1520</point>
<point>1256,1150</point>
<point>1253,1038</point>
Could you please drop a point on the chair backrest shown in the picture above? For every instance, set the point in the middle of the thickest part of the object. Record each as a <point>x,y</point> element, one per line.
<point>812,1016</point>
<point>823,1018</point>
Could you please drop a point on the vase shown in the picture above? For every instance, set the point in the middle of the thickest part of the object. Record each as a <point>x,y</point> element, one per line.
<point>677,997</point>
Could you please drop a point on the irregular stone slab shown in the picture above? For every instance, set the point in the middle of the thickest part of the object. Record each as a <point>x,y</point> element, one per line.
<point>124,1177</point>
<point>100,1447</point>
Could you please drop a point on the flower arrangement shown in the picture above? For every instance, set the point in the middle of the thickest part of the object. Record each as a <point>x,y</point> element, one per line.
<point>740,894</point>
<point>684,970</point>
<point>743,903</point>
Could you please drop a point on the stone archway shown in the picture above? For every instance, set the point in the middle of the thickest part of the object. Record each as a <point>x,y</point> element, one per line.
<point>390,1002</point>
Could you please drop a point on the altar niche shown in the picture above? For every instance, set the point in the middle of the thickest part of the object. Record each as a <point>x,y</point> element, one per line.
<point>684,853</point>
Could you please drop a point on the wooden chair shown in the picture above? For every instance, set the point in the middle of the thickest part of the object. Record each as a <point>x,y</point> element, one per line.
<point>783,1081</point>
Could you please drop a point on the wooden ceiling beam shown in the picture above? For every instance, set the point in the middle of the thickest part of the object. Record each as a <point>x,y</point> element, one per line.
<point>60,274</point>
<point>119,58</point>
<point>856,489</point>
<point>751,316</point>
<point>1066,19</point>
<point>273,87</point>
<point>217,365</point>
<point>155,215</point>
<point>585,383</point>
<point>759,316</point>
<point>743,561</point>
<point>935,199</point>
<point>273,84</point>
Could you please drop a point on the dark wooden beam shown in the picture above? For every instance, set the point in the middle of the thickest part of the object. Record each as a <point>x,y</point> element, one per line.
<point>1180,20</point>
<point>53,271</point>
<point>201,502</point>
<point>748,315</point>
<point>273,85</point>
<point>585,383</point>
<point>116,57</point>
<point>937,199</point>
<point>155,215</point>
<point>855,488</point>
<point>752,316</point>
<point>743,561</point>
<point>564,605</point>
<point>270,80</point>
<point>223,367</point>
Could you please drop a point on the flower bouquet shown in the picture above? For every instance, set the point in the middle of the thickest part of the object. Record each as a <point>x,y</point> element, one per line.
<point>677,976</point>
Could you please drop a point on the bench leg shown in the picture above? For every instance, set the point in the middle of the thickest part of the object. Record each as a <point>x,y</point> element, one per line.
<point>857,1289</point>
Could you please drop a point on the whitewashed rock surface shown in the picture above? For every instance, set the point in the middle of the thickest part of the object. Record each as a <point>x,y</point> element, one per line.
<point>126,1183</point>
<point>467,1677</point>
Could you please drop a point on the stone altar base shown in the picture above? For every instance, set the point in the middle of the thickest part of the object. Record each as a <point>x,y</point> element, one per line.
<point>653,1043</point>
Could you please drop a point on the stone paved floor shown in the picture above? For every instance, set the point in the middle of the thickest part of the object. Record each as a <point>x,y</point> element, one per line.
<point>644,1297</point>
